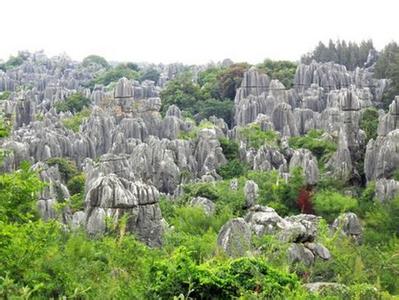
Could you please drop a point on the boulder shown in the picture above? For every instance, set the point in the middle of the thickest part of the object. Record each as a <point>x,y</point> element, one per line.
<point>235,237</point>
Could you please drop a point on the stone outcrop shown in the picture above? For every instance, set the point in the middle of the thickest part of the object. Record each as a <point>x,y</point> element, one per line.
<point>386,189</point>
<point>382,156</point>
<point>205,204</point>
<point>349,224</point>
<point>235,237</point>
<point>112,197</point>
<point>250,193</point>
<point>305,160</point>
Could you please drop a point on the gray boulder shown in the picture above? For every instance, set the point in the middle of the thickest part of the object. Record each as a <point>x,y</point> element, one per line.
<point>235,237</point>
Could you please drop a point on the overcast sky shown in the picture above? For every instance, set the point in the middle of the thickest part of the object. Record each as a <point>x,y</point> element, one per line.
<point>191,31</point>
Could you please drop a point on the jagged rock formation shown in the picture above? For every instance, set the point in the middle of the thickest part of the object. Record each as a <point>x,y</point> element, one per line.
<point>235,237</point>
<point>205,204</point>
<point>304,159</point>
<point>349,224</point>
<point>382,156</point>
<point>386,189</point>
<point>250,193</point>
<point>300,230</point>
<point>113,197</point>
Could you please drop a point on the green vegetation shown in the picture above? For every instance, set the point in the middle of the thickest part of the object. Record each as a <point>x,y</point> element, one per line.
<point>369,123</point>
<point>18,195</point>
<point>330,204</point>
<point>43,260</point>
<point>74,103</point>
<point>5,128</point>
<point>150,74</point>
<point>282,70</point>
<point>95,60</point>
<point>128,70</point>
<point>211,95</point>
<point>5,95</point>
<point>76,120</point>
<point>387,66</point>
<point>12,62</point>
<point>66,167</point>
<point>314,141</point>
<point>349,54</point>
<point>256,137</point>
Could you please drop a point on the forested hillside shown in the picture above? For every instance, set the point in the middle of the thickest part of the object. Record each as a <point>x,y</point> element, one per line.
<point>130,180</point>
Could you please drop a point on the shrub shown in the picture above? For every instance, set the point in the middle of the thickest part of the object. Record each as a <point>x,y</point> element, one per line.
<point>73,123</point>
<point>95,59</point>
<point>234,168</point>
<point>369,123</point>
<point>66,167</point>
<point>217,279</point>
<point>315,142</point>
<point>230,148</point>
<point>329,204</point>
<point>74,103</point>
<point>5,95</point>
<point>18,195</point>
<point>114,74</point>
<point>256,137</point>
<point>76,184</point>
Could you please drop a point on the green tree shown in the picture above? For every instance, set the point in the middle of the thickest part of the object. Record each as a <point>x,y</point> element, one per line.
<point>387,66</point>
<point>150,74</point>
<point>114,74</point>
<point>74,103</point>
<point>282,70</point>
<point>18,195</point>
<point>369,123</point>
<point>95,59</point>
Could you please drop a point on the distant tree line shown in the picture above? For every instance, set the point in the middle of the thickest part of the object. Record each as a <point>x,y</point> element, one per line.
<point>349,54</point>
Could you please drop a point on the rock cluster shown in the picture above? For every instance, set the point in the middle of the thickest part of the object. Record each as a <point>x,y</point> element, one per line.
<point>299,230</point>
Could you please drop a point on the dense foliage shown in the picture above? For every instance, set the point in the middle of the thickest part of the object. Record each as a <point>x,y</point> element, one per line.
<point>349,54</point>
<point>369,123</point>
<point>314,141</point>
<point>387,66</point>
<point>113,74</point>
<point>95,60</point>
<point>282,70</point>
<point>76,120</point>
<point>42,260</point>
<point>74,103</point>
<point>255,137</point>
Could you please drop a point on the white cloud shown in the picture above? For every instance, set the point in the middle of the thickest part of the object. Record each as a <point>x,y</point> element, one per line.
<point>191,31</point>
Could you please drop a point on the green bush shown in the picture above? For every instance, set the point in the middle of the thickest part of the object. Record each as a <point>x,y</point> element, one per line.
<point>230,148</point>
<point>66,167</point>
<point>330,204</point>
<point>74,103</point>
<point>73,123</point>
<point>114,74</point>
<point>234,168</point>
<point>369,123</point>
<point>18,195</point>
<point>5,95</point>
<point>217,279</point>
<point>314,142</point>
<point>5,129</point>
<point>76,184</point>
<point>95,59</point>
<point>282,70</point>
<point>256,137</point>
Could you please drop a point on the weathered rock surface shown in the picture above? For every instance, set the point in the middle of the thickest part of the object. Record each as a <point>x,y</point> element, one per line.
<point>386,189</point>
<point>205,204</point>
<point>251,193</point>
<point>349,224</point>
<point>235,237</point>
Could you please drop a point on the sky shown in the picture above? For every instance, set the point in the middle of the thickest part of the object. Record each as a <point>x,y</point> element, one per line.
<point>191,32</point>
